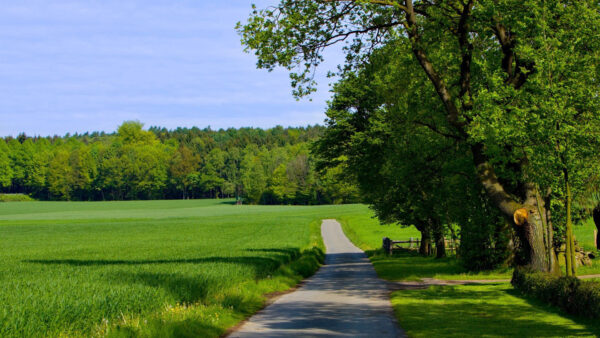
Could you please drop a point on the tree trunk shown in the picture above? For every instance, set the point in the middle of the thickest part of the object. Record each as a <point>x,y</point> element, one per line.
<point>550,234</point>
<point>596,216</point>
<point>440,241</point>
<point>425,248</point>
<point>528,217</point>
<point>570,247</point>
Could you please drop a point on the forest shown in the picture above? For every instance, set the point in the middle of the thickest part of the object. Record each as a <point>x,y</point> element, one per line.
<point>272,166</point>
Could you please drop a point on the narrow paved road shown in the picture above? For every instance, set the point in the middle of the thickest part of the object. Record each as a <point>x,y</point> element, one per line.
<point>345,298</point>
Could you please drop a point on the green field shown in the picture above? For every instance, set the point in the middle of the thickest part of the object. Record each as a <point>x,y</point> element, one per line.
<point>193,267</point>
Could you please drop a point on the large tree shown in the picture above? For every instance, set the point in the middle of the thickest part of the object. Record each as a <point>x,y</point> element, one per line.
<point>486,61</point>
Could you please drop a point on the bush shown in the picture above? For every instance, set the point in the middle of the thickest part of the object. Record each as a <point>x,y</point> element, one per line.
<point>568,293</point>
<point>15,198</point>
<point>484,240</point>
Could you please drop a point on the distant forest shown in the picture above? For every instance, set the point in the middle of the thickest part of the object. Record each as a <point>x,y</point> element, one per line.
<point>272,166</point>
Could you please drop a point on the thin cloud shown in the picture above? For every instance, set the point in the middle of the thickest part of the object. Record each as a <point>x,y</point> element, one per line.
<point>73,66</point>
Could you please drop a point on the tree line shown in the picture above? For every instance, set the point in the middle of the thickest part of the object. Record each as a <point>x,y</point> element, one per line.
<point>272,166</point>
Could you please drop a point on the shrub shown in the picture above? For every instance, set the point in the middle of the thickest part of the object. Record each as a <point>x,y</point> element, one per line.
<point>15,198</point>
<point>568,293</point>
<point>483,240</point>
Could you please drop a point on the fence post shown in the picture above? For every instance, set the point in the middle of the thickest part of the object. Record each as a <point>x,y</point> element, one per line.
<point>387,245</point>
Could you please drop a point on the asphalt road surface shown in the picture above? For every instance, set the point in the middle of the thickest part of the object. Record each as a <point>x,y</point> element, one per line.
<point>345,298</point>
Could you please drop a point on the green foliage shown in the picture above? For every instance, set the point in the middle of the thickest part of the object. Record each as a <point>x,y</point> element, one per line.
<point>405,160</point>
<point>571,294</point>
<point>271,166</point>
<point>6,171</point>
<point>150,268</point>
<point>484,235</point>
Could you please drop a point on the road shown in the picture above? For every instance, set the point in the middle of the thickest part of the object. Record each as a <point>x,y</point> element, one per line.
<point>345,298</point>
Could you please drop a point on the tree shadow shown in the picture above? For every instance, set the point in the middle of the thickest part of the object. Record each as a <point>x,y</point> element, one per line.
<point>228,202</point>
<point>183,288</point>
<point>464,311</point>
<point>591,323</point>
<point>290,253</point>
<point>263,265</point>
<point>410,265</point>
<point>340,320</point>
<point>246,260</point>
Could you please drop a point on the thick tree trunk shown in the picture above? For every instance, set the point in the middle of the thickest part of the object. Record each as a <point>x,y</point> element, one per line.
<point>596,216</point>
<point>440,241</point>
<point>425,248</point>
<point>529,217</point>
<point>537,254</point>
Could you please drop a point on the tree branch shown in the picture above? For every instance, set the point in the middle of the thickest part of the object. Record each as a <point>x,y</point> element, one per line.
<point>467,54</point>
<point>375,2</point>
<point>515,76</point>
<point>432,74</point>
<point>436,130</point>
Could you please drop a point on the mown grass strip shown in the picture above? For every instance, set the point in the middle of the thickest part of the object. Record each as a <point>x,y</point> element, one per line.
<point>495,310</point>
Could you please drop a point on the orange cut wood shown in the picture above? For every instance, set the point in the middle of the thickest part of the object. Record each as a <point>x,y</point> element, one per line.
<point>520,216</point>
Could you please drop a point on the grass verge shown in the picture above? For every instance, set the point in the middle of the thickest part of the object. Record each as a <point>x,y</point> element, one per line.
<point>476,310</point>
<point>483,311</point>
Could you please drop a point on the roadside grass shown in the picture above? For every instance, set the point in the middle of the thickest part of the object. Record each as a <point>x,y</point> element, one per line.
<point>150,268</point>
<point>474,310</point>
<point>491,310</point>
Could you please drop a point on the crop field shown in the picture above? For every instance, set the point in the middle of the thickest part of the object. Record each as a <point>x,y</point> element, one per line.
<point>185,268</point>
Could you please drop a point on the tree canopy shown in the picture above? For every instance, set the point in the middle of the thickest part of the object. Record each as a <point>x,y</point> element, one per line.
<point>514,83</point>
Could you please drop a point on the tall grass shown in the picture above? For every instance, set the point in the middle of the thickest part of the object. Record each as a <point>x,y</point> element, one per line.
<point>166,268</point>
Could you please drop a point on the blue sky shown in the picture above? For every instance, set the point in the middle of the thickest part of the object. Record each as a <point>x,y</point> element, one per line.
<point>76,66</point>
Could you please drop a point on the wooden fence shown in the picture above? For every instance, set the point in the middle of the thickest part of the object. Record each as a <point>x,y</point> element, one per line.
<point>390,245</point>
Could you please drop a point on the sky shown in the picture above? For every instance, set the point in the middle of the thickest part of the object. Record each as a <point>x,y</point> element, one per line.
<point>77,66</point>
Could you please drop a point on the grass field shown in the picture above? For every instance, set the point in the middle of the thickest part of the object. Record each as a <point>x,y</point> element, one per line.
<point>486,310</point>
<point>162,268</point>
